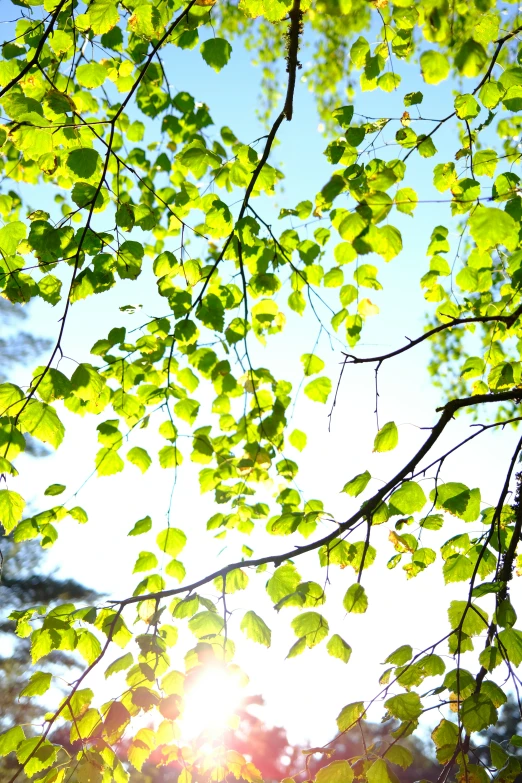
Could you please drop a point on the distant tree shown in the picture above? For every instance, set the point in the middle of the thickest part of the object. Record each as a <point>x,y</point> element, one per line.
<point>20,346</point>
<point>24,581</point>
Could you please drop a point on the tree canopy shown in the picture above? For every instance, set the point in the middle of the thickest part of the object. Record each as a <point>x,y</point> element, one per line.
<point>136,186</point>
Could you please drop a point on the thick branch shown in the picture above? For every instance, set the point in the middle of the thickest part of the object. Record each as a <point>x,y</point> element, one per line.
<point>448,411</point>
<point>294,33</point>
<point>500,43</point>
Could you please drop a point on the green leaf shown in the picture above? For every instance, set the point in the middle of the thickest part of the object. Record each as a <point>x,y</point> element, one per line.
<point>169,457</point>
<point>408,499</point>
<point>108,462</point>
<point>511,641</point>
<point>176,570</point>
<point>458,500</point>
<point>401,655</point>
<point>311,626</point>
<point>349,715</point>
<point>83,162</point>
<point>378,772</point>
<point>343,116</point>
<point>283,582</point>
<point>470,618</point>
<point>457,568</point>
<point>499,757</point>
<point>404,706</point>
<point>477,712</point>
<point>88,646</point>
<point>206,624</point>
<point>471,58</point>
<point>311,364</point>
<point>435,66</point>
<point>216,52</point>
<point>335,772</point>
<point>41,421</point>
<point>55,489</point>
<point>338,648</point>
<point>91,75</point>
<point>256,629</point>
<point>490,226</point>
<point>357,485</point>
<point>171,541</point>
<point>355,599</point>
<point>11,235</point>
<point>141,526</point>
<point>400,755</point>
<point>387,437</point>
<point>466,107</point>
<point>87,383</point>
<point>319,389</point>
<point>103,16</point>
<point>10,740</point>
<point>298,439</point>
<point>146,562</point>
<point>53,385</point>
<point>39,683</point>
<point>119,665</point>
<point>11,509</point>
<point>139,457</point>
<point>413,98</point>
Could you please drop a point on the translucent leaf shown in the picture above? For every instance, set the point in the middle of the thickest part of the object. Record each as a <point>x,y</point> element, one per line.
<point>216,52</point>
<point>119,665</point>
<point>283,582</point>
<point>379,773</point>
<point>404,706</point>
<point>10,740</point>
<point>38,684</point>
<point>298,439</point>
<point>408,499</point>
<point>490,226</point>
<point>206,624</point>
<point>387,437</point>
<point>171,541</point>
<point>349,715</point>
<point>335,772</point>
<point>434,66</point>
<point>311,626</point>
<point>338,648</point>
<point>140,458</point>
<point>311,364</point>
<point>319,389</point>
<point>91,75</point>
<point>401,655</point>
<point>357,485</point>
<point>256,629</point>
<point>141,526</point>
<point>11,509</point>
<point>355,599</point>
<point>146,562</point>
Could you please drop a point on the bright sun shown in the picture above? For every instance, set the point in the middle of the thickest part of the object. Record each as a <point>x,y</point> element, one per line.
<point>211,699</point>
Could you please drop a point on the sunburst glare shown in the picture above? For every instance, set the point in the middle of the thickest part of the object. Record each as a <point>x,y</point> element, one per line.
<point>212,696</point>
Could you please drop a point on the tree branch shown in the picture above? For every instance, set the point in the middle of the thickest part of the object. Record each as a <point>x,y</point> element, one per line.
<point>508,320</point>
<point>448,411</point>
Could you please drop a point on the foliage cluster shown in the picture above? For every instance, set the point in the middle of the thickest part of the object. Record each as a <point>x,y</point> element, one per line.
<point>146,188</point>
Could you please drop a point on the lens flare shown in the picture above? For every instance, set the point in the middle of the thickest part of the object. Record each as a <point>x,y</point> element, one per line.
<point>211,700</point>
